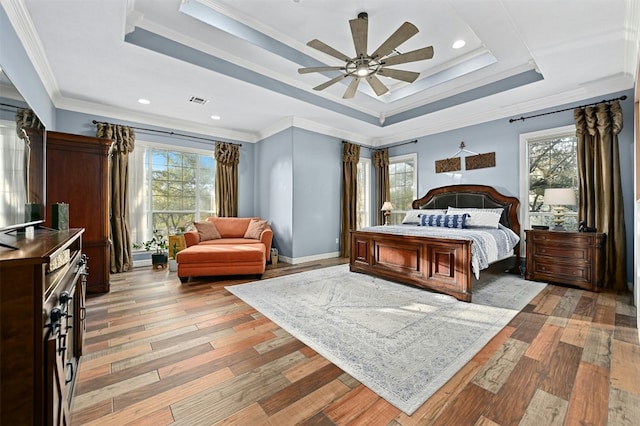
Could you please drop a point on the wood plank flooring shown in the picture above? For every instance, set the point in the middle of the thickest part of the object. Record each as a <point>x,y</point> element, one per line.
<point>158,352</point>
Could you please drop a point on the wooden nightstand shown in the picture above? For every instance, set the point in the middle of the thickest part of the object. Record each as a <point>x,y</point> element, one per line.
<point>574,258</point>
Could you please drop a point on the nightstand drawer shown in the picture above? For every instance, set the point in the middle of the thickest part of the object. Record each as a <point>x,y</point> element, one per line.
<point>558,272</point>
<point>562,253</point>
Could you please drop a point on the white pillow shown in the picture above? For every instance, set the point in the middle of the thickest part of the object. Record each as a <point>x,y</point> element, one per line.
<point>413,216</point>
<point>479,218</point>
<point>458,210</point>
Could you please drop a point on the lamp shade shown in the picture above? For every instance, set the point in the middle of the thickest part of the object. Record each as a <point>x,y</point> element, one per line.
<point>386,207</point>
<point>560,197</point>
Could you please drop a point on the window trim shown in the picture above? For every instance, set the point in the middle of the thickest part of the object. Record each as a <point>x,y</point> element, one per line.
<point>366,165</point>
<point>403,158</point>
<point>148,178</point>
<point>523,215</point>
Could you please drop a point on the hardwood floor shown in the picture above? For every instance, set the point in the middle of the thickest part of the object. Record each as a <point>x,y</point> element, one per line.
<point>158,352</point>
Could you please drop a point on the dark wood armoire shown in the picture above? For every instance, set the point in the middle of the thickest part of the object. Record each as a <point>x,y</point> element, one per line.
<point>78,175</point>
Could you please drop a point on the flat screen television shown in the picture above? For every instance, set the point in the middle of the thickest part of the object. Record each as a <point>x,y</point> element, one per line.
<point>22,166</point>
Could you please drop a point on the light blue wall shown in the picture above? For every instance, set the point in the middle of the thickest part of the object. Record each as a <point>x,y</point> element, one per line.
<point>317,177</point>
<point>273,192</point>
<point>298,181</point>
<point>502,137</point>
<point>18,67</point>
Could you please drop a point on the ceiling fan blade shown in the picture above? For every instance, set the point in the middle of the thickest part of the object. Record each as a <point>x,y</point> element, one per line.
<point>319,69</point>
<point>377,85</point>
<point>351,90</point>
<point>408,76</point>
<point>414,55</point>
<point>330,82</point>
<point>359,32</point>
<point>402,34</point>
<point>318,45</point>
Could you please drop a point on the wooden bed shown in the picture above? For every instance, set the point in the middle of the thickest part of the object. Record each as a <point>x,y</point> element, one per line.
<point>438,264</point>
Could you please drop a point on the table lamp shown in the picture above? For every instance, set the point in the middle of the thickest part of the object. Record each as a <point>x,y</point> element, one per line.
<point>558,198</point>
<point>386,208</point>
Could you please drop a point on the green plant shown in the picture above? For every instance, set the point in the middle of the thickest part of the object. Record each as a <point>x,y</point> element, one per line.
<point>158,242</point>
<point>174,250</point>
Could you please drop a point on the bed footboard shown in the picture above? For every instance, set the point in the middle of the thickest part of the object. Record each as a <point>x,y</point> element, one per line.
<point>442,265</point>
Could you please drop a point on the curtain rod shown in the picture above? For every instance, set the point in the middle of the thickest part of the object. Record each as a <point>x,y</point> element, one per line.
<point>169,133</point>
<point>621,98</point>
<point>12,106</point>
<point>377,149</point>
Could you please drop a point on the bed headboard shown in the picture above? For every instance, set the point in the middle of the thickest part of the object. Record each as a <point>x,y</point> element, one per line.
<point>476,196</point>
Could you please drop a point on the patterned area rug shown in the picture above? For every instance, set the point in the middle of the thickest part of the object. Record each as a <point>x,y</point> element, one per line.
<point>401,342</point>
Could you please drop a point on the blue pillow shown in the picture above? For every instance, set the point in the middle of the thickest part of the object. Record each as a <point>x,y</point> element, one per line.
<point>444,220</point>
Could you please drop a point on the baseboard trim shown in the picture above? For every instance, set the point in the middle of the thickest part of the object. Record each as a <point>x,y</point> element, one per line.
<point>297,260</point>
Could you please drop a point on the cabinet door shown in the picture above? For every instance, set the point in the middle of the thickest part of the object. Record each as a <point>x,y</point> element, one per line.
<point>57,408</point>
<point>81,311</point>
<point>78,174</point>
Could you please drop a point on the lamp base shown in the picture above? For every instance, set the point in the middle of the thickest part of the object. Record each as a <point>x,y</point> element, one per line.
<point>558,218</point>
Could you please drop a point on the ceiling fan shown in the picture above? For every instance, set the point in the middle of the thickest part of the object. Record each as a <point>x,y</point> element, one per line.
<point>369,67</point>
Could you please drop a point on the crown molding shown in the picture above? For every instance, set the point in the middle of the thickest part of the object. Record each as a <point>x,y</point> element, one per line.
<point>23,25</point>
<point>312,126</point>
<point>632,52</point>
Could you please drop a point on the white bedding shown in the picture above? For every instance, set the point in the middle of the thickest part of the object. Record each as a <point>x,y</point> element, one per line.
<point>489,244</point>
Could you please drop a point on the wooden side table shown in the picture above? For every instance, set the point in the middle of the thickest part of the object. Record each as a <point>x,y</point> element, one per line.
<point>573,258</point>
<point>179,242</point>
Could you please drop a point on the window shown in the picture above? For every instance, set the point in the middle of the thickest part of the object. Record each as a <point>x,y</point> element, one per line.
<point>363,203</point>
<point>548,159</point>
<point>402,184</point>
<point>169,189</point>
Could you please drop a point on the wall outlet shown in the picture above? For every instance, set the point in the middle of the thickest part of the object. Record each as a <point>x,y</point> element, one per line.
<point>338,240</point>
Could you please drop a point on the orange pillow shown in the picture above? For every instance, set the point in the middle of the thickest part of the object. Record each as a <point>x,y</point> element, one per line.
<point>207,230</point>
<point>255,228</point>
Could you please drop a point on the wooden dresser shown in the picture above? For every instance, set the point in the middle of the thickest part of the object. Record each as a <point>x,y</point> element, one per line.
<point>78,175</point>
<point>42,323</point>
<point>573,258</point>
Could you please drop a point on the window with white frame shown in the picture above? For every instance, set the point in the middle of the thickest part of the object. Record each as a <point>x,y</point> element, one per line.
<point>403,185</point>
<point>548,159</point>
<point>169,189</point>
<point>363,202</point>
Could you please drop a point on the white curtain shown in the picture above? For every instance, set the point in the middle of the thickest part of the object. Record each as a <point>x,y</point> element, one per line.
<point>139,197</point>
<point>13,191</point>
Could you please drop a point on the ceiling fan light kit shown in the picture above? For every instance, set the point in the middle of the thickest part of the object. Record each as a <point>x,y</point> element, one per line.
<point>369,67</point>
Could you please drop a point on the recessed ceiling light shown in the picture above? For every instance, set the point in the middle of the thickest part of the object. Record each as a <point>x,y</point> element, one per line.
<point>144,101</point>
<point>215,117</point>
<point>458,44</point>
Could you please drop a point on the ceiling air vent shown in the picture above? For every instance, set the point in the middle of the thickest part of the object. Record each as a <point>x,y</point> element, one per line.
<point>198,100</point>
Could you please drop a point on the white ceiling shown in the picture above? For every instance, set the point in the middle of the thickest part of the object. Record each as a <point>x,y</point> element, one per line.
<point>243,57</point>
